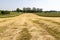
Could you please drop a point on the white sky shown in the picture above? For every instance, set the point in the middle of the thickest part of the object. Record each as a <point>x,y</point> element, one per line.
<point>44,4</point>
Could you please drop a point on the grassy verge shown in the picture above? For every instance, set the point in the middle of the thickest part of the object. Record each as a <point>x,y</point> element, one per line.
<point>52,14</point>
<point>12,14</point>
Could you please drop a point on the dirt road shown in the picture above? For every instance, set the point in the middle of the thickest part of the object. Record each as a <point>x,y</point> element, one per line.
<point>41,28</point>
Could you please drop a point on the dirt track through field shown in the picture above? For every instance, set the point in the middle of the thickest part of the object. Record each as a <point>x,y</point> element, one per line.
<point>41,28</point>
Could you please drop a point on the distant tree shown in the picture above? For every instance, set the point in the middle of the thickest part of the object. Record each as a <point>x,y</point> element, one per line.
<point>45,11</point>
<point>5,12</point>
<point>52,11</point>
<point>18,10</point>
<point>24,9</point>
<point>34,9</point>
<point>41,10</point>
<point>38,10</point>
<point>27,9</point>
<point>24,35</point>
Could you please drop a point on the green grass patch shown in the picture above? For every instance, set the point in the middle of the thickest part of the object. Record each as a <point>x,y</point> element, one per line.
<point>52,14</point>
<point>12,14</point>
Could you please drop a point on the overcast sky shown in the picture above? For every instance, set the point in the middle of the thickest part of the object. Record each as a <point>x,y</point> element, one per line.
<point>44,4</point>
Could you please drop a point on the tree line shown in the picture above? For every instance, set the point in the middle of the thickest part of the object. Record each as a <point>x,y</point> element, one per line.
<point>29,10</point>
<point>33,10</point>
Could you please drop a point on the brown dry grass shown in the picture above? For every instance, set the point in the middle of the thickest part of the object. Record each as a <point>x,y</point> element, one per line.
<point>41,28</point>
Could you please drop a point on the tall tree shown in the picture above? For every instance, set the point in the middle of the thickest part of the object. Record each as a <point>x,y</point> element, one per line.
<point>26,9</point>
<point>38,10</point>
<point>41,10</point>
<point>34,9</point>
<point>18,10</point>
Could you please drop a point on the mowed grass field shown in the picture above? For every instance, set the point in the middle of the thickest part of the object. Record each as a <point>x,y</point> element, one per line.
<point>39,27</point>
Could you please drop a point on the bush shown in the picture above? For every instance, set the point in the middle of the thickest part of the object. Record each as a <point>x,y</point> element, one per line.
<point>5,12</point>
